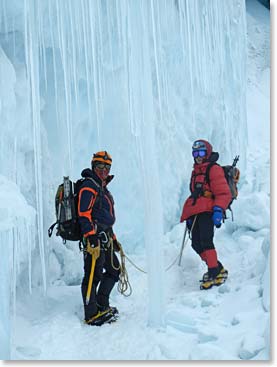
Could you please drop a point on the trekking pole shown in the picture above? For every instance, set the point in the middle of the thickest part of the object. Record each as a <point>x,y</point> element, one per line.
<point>183,245</point>
<point>94,252</point>
<point>184,240</point>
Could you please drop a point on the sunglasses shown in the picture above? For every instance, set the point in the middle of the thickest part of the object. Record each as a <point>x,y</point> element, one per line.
<point>199,153</point>
<point>103,166</point>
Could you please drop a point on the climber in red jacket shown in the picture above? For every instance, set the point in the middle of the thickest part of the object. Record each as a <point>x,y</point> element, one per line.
<point>205,208</point>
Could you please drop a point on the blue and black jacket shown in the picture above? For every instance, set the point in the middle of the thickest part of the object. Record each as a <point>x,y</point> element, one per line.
<point>95,204</point>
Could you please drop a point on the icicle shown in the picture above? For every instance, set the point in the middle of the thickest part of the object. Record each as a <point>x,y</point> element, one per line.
<point>41,42</point>
<point>14,173</point>
<point>118,24</point>
<point>156,59</point>
<point>144,109</point>
<point>6,282</point>
<point>87,66</point>
<point>127,64</point>
<point>96,80</point>
<point>32,73</point>
<point>110,34</point>
<point>4,19</point>
<point>61,16</point>
<point>100,74</point>
<point>30,240</point>
<point>73,51</point>
<point>51,26</point>
<point>191,68</point>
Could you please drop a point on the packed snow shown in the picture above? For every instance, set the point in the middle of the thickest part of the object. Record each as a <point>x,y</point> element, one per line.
<point>149,94</point>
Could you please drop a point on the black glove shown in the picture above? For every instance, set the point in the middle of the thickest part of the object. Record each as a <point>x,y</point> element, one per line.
<point>93,240</point>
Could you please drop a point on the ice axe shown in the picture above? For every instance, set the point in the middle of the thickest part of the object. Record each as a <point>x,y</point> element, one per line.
<point>95,253</point>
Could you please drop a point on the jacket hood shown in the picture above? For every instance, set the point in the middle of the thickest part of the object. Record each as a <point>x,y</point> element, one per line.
<point>214,157</point>
<point>87,172</point>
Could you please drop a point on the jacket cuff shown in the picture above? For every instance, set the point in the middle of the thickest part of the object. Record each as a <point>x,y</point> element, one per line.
<point>90,233</point>
<point>217,209</point>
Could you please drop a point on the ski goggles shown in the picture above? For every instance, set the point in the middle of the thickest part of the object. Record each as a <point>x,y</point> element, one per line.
<point>103,166</point>
<point>199,153</point>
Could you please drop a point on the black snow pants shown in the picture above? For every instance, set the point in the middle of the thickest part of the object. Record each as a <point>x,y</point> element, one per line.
<point>106,274</point>
<point>202,233</point>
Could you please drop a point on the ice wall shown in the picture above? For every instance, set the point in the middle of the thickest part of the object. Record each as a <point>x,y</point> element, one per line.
<point>16,245</point>
<point>80,88</point>
<point>141,80</point>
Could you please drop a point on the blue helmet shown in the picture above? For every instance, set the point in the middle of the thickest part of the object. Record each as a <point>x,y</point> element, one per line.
<point>199,145</point>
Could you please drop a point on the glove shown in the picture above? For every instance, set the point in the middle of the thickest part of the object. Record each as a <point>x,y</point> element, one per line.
<point>93,246</point>
<point>93,240</point>
<point>217,216</point>
<point>189,223</point>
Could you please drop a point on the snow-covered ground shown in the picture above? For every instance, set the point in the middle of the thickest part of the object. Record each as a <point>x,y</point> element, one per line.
<point>227,323</point>
<point>231,322</point>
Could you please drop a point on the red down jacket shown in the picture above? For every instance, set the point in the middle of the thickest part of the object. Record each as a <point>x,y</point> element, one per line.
<point>218,187</point>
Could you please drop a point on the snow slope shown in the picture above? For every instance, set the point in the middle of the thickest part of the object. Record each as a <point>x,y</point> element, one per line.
<point>227,323</point>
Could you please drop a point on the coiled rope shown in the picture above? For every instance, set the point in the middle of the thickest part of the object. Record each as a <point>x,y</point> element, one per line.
<point>123,283</point>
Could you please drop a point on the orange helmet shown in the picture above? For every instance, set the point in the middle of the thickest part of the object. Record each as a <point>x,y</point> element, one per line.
<point>102,157</point>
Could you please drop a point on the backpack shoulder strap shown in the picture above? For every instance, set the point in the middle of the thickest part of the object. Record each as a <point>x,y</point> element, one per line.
<point>96,183</point>
<point>208,171</point>
<point>82,180</point>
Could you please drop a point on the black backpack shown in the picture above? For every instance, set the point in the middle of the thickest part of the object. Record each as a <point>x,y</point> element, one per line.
<point>66,205</point>
<point>232,175</point>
